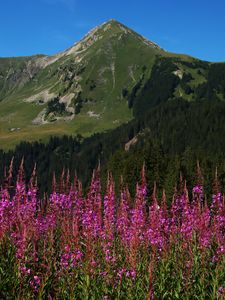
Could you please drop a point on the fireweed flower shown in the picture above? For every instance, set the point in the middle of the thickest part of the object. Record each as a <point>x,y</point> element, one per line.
<point>109,211</point>
<point>35,282</point>
<point>217,203</point>
<point>123,220</point>
<point>121,272</point>
<point>198,189</point>
<point>220,292</point>
<point>158,226</point>
<point>198,194</point>
<point>70,258</point>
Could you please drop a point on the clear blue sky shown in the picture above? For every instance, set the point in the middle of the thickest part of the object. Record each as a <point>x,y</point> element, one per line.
<point>195,27</point>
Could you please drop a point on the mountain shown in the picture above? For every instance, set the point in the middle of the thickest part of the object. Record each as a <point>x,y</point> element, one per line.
<point>80,90</point>
<point>108,78</point>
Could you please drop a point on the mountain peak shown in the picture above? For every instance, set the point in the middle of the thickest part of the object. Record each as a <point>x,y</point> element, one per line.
<point>109,32</point>
<point>111,29</point>
<point>112,21</point>
<point>114,24</point>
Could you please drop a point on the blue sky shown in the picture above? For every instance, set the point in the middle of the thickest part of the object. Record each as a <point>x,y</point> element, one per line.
<point>194,27</point>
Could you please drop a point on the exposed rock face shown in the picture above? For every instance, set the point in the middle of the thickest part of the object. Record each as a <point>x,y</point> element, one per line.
<point>132,142</point>
<point>15,74</point>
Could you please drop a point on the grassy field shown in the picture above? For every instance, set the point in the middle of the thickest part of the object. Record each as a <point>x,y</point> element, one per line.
<point>83,124</point>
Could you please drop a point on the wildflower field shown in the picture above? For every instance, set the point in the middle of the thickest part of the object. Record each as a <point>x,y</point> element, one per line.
<point>94,245</point>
